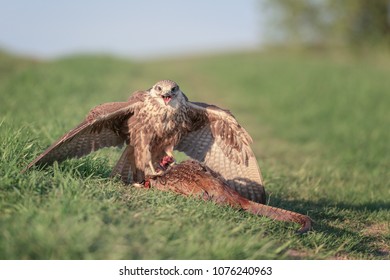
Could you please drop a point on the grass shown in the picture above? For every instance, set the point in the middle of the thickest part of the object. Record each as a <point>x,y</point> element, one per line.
<point>320,125</point>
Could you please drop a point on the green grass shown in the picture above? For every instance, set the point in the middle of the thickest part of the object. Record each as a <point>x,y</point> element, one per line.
<point>320,124</point>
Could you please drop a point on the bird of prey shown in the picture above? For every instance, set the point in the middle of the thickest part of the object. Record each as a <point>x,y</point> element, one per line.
<point>155,122</point>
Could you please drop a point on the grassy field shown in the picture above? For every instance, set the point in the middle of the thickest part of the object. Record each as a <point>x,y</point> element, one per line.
<point>320,124</point>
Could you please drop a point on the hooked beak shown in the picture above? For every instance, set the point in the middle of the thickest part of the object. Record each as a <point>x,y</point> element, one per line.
<point>167,98</point>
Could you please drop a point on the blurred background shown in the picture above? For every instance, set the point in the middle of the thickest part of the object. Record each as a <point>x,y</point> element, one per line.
<point>329,23</point>
<point>152,28</point>
<point>135,29</point>
<point>308,79</point>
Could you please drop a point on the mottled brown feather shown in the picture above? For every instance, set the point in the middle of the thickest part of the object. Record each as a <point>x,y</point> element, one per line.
<point>217,139</point>
<point>125,167</point>
<point>103,127</point>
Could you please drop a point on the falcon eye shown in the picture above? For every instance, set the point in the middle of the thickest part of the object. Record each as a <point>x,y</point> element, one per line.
<point>158,88</point>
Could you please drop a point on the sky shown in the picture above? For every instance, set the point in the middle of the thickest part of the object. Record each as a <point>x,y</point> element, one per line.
<point>136,29</point>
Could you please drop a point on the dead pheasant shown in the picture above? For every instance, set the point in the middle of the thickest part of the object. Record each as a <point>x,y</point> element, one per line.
<point>191,178</point>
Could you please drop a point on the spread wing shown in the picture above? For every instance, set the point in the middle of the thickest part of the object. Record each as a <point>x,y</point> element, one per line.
<point>217,139</point>
<point>104,126</point>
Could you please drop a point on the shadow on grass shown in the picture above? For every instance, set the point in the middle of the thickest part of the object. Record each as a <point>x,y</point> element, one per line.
<point>342,220</point>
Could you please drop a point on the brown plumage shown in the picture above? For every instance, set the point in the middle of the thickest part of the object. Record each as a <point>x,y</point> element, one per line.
<point>154,122</point>
<point>190,178</point>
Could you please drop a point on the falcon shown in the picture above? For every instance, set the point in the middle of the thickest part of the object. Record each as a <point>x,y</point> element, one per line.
<point>155,122</point>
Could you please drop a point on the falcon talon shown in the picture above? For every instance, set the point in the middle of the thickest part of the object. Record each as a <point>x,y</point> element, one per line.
<point>159,172</point>
<point>160,168</point>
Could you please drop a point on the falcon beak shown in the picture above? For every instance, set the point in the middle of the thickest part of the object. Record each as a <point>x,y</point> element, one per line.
<point>167,98</point>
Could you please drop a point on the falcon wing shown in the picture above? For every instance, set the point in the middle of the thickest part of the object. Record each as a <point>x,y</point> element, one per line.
<point>217,139</point>
<point>104,126</point>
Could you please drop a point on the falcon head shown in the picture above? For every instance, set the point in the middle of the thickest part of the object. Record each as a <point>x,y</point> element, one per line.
<point>167,92</point>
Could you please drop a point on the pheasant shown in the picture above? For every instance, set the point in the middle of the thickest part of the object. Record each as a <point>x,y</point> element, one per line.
<point>191,178</point>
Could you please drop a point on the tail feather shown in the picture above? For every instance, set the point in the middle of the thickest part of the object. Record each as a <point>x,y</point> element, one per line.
<point>125,165</point>
<point>278,214</point>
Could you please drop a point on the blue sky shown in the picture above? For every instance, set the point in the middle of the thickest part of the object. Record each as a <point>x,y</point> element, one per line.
<point>137,29</point>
